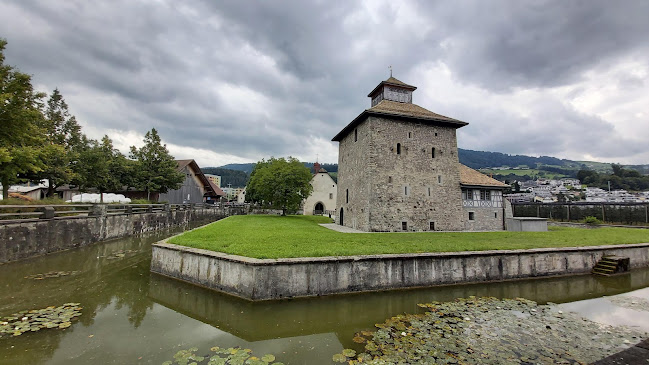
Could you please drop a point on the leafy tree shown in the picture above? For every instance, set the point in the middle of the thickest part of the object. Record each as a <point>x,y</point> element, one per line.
<point>62,136</point>
<point>100,166</point>
<point>156,168</point>
<point>282,183</point>
<point>20,135</point>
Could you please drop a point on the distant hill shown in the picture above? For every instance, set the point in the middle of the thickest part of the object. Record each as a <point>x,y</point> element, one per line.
<point>500,165</point>
<point>237,178</point>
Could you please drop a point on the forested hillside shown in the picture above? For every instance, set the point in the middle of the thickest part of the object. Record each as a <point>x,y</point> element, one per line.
<point>238,179</point>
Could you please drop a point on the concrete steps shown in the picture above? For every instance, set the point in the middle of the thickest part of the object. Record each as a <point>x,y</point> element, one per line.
<point>610,265</point>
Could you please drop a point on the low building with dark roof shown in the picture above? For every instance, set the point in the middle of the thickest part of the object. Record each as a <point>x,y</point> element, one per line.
<point>398,170</point>
<point>196,188</point>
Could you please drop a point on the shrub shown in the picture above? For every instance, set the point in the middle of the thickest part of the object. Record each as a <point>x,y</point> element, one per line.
<point>592,220</point>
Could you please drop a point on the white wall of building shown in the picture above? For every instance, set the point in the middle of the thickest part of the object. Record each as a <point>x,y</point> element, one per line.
<point>324,191</point>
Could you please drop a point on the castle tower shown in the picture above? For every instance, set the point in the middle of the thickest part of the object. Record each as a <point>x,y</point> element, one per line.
<point>398,167</point>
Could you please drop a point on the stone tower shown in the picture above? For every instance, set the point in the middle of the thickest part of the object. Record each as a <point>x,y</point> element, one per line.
<point>398,167</point>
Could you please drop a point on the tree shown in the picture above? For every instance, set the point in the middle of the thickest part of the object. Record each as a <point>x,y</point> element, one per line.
<point>20,135</point>
<point>279,182</point>
<point>100,166</point>
<point>156,168</point>
<point>62,136</point>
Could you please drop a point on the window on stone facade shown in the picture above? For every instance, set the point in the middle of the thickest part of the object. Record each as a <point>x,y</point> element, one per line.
<point>485,195</point>
<point>398,148</point>
<point>471,216</point>
<point>431,226</point>
<point>433,153</point>
<point>439,179</point>
<point>495,214</point>
<point>389,179</point>
<point>429,191</point>
<point>355,135</point>
<point>405,190</point>
<point>404,226</point>
<point>346,195</point>
<point>331,195</point>
<point>409,135</point>
<point>435,134</point>
<point>469,194</point>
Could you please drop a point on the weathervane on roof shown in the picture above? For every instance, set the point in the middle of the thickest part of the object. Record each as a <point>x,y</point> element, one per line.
<point>390,67</point>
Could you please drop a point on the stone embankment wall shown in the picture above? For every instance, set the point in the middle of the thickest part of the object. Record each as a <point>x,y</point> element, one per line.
<point>21,240</point>
<point>257,279</point>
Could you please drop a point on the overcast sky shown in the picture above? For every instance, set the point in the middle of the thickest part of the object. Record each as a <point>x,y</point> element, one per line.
<point>237,81</point>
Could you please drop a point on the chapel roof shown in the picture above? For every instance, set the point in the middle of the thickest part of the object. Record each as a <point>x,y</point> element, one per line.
<point>471,177</point>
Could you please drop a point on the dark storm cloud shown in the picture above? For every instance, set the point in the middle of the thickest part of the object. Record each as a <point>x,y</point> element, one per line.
<point>266,79</point>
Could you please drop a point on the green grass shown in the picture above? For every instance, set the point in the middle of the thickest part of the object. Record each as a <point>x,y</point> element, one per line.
<point>300,236</point>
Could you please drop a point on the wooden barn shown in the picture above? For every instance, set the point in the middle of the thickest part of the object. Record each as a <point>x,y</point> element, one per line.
<point>196,188</point>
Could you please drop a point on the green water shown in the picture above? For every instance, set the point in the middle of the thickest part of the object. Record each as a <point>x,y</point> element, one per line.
<point>131,316</point>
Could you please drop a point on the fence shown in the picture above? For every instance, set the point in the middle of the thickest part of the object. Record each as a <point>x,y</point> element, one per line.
<point>23,213</point>
<point>616,213</point>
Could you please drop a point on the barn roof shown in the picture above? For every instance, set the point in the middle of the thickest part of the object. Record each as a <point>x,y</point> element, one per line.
<point>473,178</point>
<point>210,188</point>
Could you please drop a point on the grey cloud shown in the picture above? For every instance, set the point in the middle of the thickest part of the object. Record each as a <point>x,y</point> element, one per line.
<point>312,64</point>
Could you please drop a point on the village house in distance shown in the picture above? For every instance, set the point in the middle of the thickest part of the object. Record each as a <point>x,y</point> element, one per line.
<point>398,170</point>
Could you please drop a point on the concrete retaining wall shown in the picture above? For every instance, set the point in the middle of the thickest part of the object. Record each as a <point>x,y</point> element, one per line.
<point>31,238</point>
<point>257,279</point>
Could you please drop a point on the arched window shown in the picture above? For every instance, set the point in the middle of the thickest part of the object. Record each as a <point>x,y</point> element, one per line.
<point>398,148</point>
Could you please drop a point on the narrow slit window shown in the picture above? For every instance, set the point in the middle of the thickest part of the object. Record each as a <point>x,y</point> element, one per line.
<point>433,153</point>
<point>355,135</point>
<point>389,179</point>
<point>439,179</point>
<point>346,195</point>
<point>398,148</point>
<point>429,191</point>
<point>495,214</point>
<point>409,134</point>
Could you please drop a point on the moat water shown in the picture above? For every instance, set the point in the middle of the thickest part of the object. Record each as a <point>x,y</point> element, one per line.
<point>131,316</point>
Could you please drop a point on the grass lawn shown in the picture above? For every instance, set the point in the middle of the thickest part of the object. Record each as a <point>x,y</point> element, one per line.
<point>262,236</point>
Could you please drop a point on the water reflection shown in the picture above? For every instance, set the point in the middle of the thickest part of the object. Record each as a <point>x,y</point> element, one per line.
<point>132,316</point>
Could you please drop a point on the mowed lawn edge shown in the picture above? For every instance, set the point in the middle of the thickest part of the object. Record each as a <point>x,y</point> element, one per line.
<point>273,237</point>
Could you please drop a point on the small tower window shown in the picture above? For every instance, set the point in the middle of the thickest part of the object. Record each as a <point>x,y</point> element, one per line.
<point>435,134</point>
<point>404,226</point>
<point>355,135</point>
<point>439,179</point>
<point>433,153</point>
<point>409,135</point>
<point>431,226</point>
<point>331,195</point>
<point>471,216</point>
<point>405,190</point>
<point>398,148</point>
<point>429,191</point>
<point>389,179</point>
<point>346,195</point>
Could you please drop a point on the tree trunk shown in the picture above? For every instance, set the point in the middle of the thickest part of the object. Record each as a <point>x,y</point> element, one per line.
<point>283,212</point>
<point>101,196</point>
<point>50,189</point>
<point>5,189</point>
<point>148,195</point>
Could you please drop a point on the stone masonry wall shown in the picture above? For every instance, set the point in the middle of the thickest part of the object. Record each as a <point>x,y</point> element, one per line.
<point>38,237</point>
<point>484,219</point>
<point>354,168</point>
<point>414,187</point>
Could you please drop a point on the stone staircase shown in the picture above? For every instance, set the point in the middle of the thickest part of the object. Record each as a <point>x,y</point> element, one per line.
<point>609,265</point>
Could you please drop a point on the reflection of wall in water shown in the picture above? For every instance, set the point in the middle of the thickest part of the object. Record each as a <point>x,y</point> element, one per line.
<point>346,314</point>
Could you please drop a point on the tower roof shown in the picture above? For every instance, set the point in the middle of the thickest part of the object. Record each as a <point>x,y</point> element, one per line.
<point>393,82</point>
<point>401,111</point>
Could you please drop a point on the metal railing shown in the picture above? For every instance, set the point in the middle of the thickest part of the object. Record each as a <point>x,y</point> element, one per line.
<point>12,213</point>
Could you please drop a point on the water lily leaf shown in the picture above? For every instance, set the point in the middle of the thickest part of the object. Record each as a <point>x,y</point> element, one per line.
<point>268,358</point>
<point>339,358</point>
